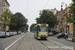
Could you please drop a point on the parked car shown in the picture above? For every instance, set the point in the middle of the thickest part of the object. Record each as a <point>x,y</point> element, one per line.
<point>60,35</point>
<point>24,31</point>
<point>7,33</point>
<point>15,33</point>
<point>50,34</point>
<point>11,33</point>
<point>73,39</point>
<point>2,34</point>
<point>19,32</point>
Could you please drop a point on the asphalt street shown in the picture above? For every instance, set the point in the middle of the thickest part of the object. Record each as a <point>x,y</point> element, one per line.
<point>28,42</point>
<point>62,41</point>
<point>5,42</point>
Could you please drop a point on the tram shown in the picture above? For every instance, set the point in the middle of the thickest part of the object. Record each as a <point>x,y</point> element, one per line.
<point>41,31</point>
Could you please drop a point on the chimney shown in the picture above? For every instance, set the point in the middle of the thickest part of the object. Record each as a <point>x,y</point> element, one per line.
<point>61,7</point>
<point>54,8</point>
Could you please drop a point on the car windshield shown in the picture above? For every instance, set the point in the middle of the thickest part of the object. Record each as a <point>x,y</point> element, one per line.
<point>2,32</point>
<point>44,29</point>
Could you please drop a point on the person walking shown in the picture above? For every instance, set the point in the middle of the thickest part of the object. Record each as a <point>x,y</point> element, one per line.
<point>66,35</point>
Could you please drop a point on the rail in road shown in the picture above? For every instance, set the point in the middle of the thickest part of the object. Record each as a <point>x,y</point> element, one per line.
<point>18,44</point>
<point>13,43</point>
<point>21,42</point>
<point>44,45</point>
<point>5,42</point>
<point>63,43</point>
<point>28,42</point>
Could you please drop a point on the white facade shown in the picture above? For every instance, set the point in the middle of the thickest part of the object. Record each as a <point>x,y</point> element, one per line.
<point>3,6</point>
<point>54,11</point>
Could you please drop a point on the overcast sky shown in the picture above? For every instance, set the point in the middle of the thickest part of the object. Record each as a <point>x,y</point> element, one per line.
<point>34,7</point>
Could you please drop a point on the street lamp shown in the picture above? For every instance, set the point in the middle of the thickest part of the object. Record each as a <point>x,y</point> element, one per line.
<point>66,13</point>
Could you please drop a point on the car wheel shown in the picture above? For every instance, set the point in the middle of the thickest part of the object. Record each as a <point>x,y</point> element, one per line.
<point>72,40</point>
<point>58,37</point>
<point>65,37</point>
<point>5,36</point>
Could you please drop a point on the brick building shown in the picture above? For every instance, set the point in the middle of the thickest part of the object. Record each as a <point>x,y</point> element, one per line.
<point>63,25</point>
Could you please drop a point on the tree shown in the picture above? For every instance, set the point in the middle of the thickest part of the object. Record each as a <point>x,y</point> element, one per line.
<point>38,20</point>
<point>21,20</point>
<point>72,18</point>
<point>5,18</point>
<point>18,21</point>
<point>13,23</point>
<point>26,27</point>
<point>32,26</point>
<point>47,17</point>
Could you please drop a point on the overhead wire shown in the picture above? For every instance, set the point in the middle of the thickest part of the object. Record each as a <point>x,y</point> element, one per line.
<point>45,4</point>
<point>27,8</point>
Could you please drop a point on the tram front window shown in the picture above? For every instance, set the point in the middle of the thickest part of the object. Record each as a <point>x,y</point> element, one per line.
<point>43,29</point>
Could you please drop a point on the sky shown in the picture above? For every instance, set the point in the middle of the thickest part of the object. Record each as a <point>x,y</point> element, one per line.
<point>31,8</point>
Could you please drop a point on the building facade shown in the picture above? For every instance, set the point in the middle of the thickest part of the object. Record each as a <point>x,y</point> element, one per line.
<point>64,26</point>
<point>3,6</point>
<point>54,11</point>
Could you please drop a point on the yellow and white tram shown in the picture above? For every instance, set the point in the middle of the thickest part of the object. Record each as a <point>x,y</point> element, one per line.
<point>41,31</point>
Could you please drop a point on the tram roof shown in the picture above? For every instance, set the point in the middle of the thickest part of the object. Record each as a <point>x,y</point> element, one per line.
<point>42,25</point>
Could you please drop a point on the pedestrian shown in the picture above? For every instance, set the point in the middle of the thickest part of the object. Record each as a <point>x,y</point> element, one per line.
<point>65,34</point>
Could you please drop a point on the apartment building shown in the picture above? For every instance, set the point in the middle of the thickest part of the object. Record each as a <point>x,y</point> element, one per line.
<point>54,11</point>
<point>64,26</point>
<point>3,6</point>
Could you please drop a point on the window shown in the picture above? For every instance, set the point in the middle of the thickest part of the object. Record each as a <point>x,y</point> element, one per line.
<point>44,29</point>
<point>70,15</point>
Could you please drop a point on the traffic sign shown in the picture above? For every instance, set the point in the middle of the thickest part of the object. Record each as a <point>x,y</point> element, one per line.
<point>51,29</point>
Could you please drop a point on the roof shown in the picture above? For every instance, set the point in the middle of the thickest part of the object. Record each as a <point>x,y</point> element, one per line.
<point>42,25</point>
<point>7,2</point>
<point>63,10</point>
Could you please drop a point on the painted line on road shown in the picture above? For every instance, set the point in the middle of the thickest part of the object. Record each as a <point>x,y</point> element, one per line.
<point>14,42</point>
<point>62,45</point>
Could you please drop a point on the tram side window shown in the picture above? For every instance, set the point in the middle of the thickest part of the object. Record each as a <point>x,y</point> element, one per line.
<point>39,29</point>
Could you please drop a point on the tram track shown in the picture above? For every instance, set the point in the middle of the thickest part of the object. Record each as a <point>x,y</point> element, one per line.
<point>61,45</point>
<point>44,45</point>
<point>31,45</point>
<point>19,44</point>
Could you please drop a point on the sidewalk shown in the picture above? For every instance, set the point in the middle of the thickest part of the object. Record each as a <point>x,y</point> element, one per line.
<point>69,38</point>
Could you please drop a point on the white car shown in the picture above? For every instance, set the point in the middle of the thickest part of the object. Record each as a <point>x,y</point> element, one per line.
<point>2,34</point>
<point>7,33</point>
<point>19,32</point>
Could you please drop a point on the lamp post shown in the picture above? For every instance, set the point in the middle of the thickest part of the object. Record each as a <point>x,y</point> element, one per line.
<point>66,14</point>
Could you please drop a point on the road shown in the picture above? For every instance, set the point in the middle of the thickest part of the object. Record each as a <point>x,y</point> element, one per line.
<point>28,42</point>
<point>5,42</point>
<point>62,42</point>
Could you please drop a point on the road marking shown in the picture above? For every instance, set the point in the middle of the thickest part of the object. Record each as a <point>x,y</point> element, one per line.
<point>14,42</point>
<point>62,45</point>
